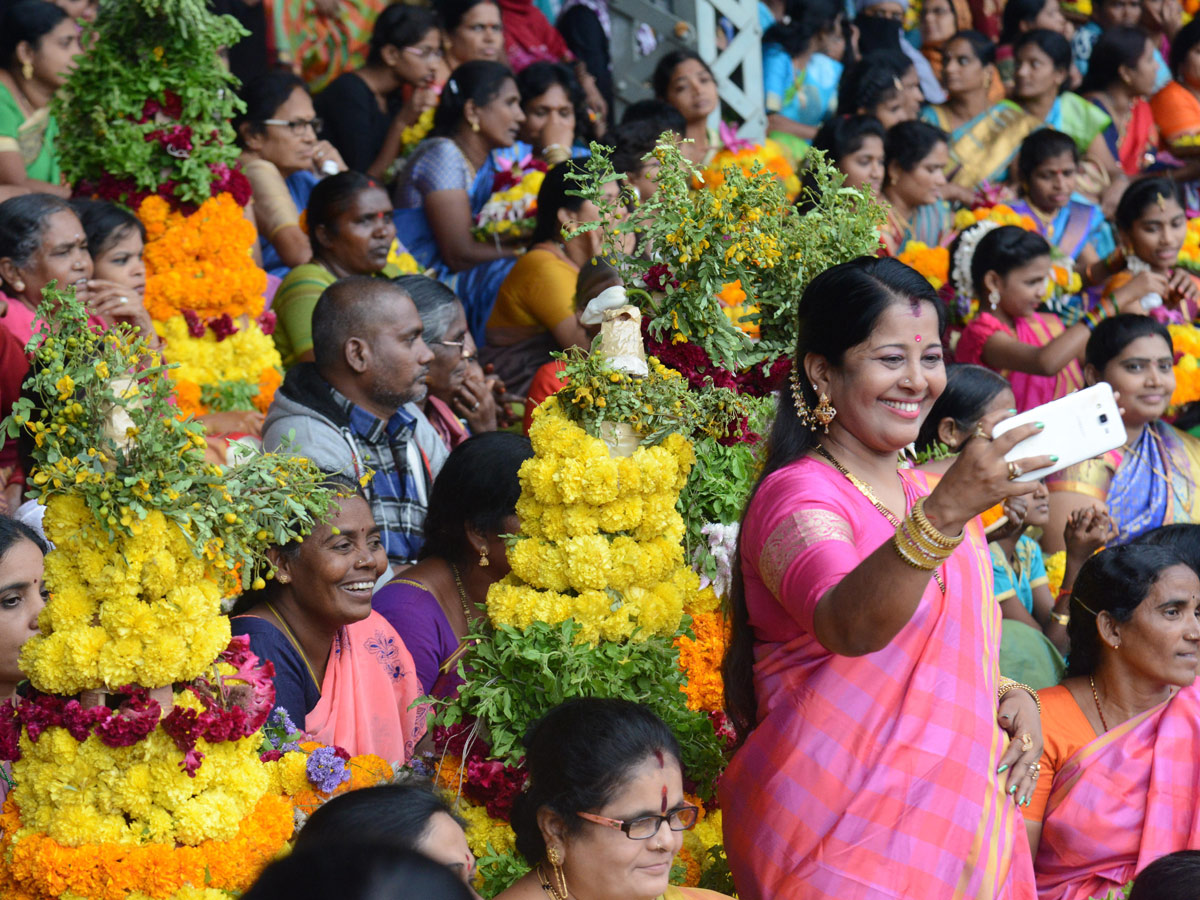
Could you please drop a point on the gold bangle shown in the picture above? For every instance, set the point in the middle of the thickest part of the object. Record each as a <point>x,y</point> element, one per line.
<point>928,529</point>
<point>913,553</point>
<point>936,555</point>
<point>1060,618</point>
<point>1007,685</point>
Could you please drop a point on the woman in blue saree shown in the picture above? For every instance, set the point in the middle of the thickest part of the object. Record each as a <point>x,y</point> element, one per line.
<point>984,136</point>
<point>1151,480</point>
<point>450,177</point>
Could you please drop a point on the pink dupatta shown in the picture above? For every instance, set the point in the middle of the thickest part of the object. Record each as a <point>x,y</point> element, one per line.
<point>370,683</point>
<point>1127,798</point>
<point>874,776</point>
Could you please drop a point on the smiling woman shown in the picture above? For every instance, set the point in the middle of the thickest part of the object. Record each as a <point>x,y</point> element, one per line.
<point>1118,729</point>
<point>340,668</point>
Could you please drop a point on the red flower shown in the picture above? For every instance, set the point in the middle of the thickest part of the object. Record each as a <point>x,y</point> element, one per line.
<point>10,732</point>
<point>222,326</point>
<point>658,276</point>
<point>230,181</point>
<point>267,322</point>
<point>271,755</point>
<point>132,721</point>
<point>195,326</point>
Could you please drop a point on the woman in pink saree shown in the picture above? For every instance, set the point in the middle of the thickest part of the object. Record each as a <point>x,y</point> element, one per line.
<point>1120,778</point>
<point>863,668</point>
<point>341,671</point>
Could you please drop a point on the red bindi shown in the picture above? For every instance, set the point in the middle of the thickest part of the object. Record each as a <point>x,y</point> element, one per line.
<point>918,339</point>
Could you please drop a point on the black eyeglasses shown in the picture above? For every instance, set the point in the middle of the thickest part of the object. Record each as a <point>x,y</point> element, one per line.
<point>644,827</point>
<point>297,126</point>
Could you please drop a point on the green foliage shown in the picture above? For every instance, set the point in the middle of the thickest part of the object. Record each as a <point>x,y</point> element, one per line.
<point>716,875</point>
<point>744,230</point>
<point>498,871</point>
<point>716,491</point>
<point>137,51</point>
<point>98,407</point>
<point>516,677</point>
<point>655,405</point>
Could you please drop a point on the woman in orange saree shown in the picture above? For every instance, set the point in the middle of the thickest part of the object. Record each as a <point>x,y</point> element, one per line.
<point>875,760</point>
<point>1120,778</point>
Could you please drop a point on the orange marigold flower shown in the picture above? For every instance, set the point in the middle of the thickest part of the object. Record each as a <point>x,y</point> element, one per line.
<point>700,660</point>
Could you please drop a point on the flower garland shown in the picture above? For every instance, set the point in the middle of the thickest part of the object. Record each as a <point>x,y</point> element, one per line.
<point>511,211</point>
<point>933,263</point>
<point>41,868</point>
<point>745,157</point>
<point>201,261</point>
<point>1056,568</point>
<point>700,659</point>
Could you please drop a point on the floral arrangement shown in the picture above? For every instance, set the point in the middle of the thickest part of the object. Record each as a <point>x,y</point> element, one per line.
<point>416,132</point>
<point>748,156</point>
<point>133,673</point>
<point>147,109</point>
<point>1000,213</point>
<point>511,211</point>
<point>745,231</point>
<point>1056,568</point>
<point>932,262</point>
<point>1189,255</point>
<point>1186,342</point>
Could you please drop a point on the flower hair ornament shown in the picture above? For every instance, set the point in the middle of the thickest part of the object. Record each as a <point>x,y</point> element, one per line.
<point>452,85</point>
<point>964,253</point>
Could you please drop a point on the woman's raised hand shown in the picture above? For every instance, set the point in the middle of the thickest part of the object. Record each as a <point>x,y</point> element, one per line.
<point>980,477</point>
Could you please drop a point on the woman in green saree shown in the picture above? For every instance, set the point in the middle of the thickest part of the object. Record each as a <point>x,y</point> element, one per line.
<point>38,46</point>
<point>984,136</point>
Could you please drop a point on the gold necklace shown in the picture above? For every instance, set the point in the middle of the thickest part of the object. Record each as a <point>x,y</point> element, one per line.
<point>295,643</point>
<point>1096,697</point>
<point>558,893</point>
<point>462,595</point>
<point>866,490</point>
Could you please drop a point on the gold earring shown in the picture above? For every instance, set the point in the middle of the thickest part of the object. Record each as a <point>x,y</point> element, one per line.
<point>19,286</point>
<point>27,71</point>
<point>284,578</point>
<point>474,125</point>
<point>824,412</point>
<point>556,886</point>
<point>994,298</point>
<point>802,411</point>
<point>483,558</point>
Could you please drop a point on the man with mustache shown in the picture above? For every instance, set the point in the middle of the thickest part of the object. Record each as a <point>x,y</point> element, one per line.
<point>354,408</point>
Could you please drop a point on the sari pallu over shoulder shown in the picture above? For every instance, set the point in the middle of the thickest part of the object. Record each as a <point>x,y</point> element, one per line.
<point>868,777</point>
<point>1127,798</point>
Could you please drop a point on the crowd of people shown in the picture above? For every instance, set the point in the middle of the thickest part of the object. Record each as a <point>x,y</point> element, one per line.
<point>1012,716</point>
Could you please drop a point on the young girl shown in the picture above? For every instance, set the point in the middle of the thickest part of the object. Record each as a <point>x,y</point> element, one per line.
<point>1151,226</point>
<point>1006,267</point>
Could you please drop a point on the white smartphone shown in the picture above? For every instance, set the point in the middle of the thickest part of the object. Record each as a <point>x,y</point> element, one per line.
<point>1078,426</point>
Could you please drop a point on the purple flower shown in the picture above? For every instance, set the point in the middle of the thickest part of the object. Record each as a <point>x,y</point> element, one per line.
<point>326,770</point>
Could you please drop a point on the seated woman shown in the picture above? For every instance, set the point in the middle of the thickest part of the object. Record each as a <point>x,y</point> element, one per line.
<point>471,29</point>
<point>42,240</point>
<point>1152,225</point>
<point>448,179</point>
<point>38,46</point>
<point>684,80</point>
<point>557,126</point>
<point>1046,168</point>
<point>350,227</point>
<point>462,400</point>
<point>284,160</point>
<point>878,85</point>
<point>358,871</point>
<point>917,156</point>
<point>1121,76</point>
<point>984,136</point>
<point>437,602</point>
<point>1151,480</point>
<point>409,816</point>
<point>604,780</point>
<point>340,668</point>
<point>22,596</point>
<point>1043,67</point>
<point>366,112</point>
<point>855,145</point>
<point>1118,744</point>
<point>1176,107</point>
<point>802,65</point>
<point>535,310</point>
<point>1019,17</point>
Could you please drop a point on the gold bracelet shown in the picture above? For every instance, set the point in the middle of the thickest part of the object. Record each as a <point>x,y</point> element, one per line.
<point>1060,618</point>
<point>928,530</point>
<point>912,553</point>
<point>934,554</point>
<point>1007,685</point>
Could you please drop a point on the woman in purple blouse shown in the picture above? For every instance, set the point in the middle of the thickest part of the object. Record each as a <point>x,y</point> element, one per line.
<point>471,507</point>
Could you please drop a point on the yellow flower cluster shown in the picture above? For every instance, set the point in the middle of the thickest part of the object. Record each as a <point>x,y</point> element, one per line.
<point>483,830</point>
<point>1001,212</point>
<point>1056,568</point>
<point>1186,341</point>
<point>706,834</point>
<point>601,539</point>
<point>86,792</point>
<point>933,263</point>
<point>140,611</point>
<point>247,355</point>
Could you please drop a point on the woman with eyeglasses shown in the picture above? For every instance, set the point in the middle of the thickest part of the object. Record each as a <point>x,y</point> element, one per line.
<point>436,603</point>
<point>367,111</point>
<point>350,227</point>
<point>604,810</point>
<point>284,160</point>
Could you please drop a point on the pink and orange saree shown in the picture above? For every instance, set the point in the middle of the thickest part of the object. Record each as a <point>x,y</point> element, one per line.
<point>869,777</point>
<point>1127,798</point>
